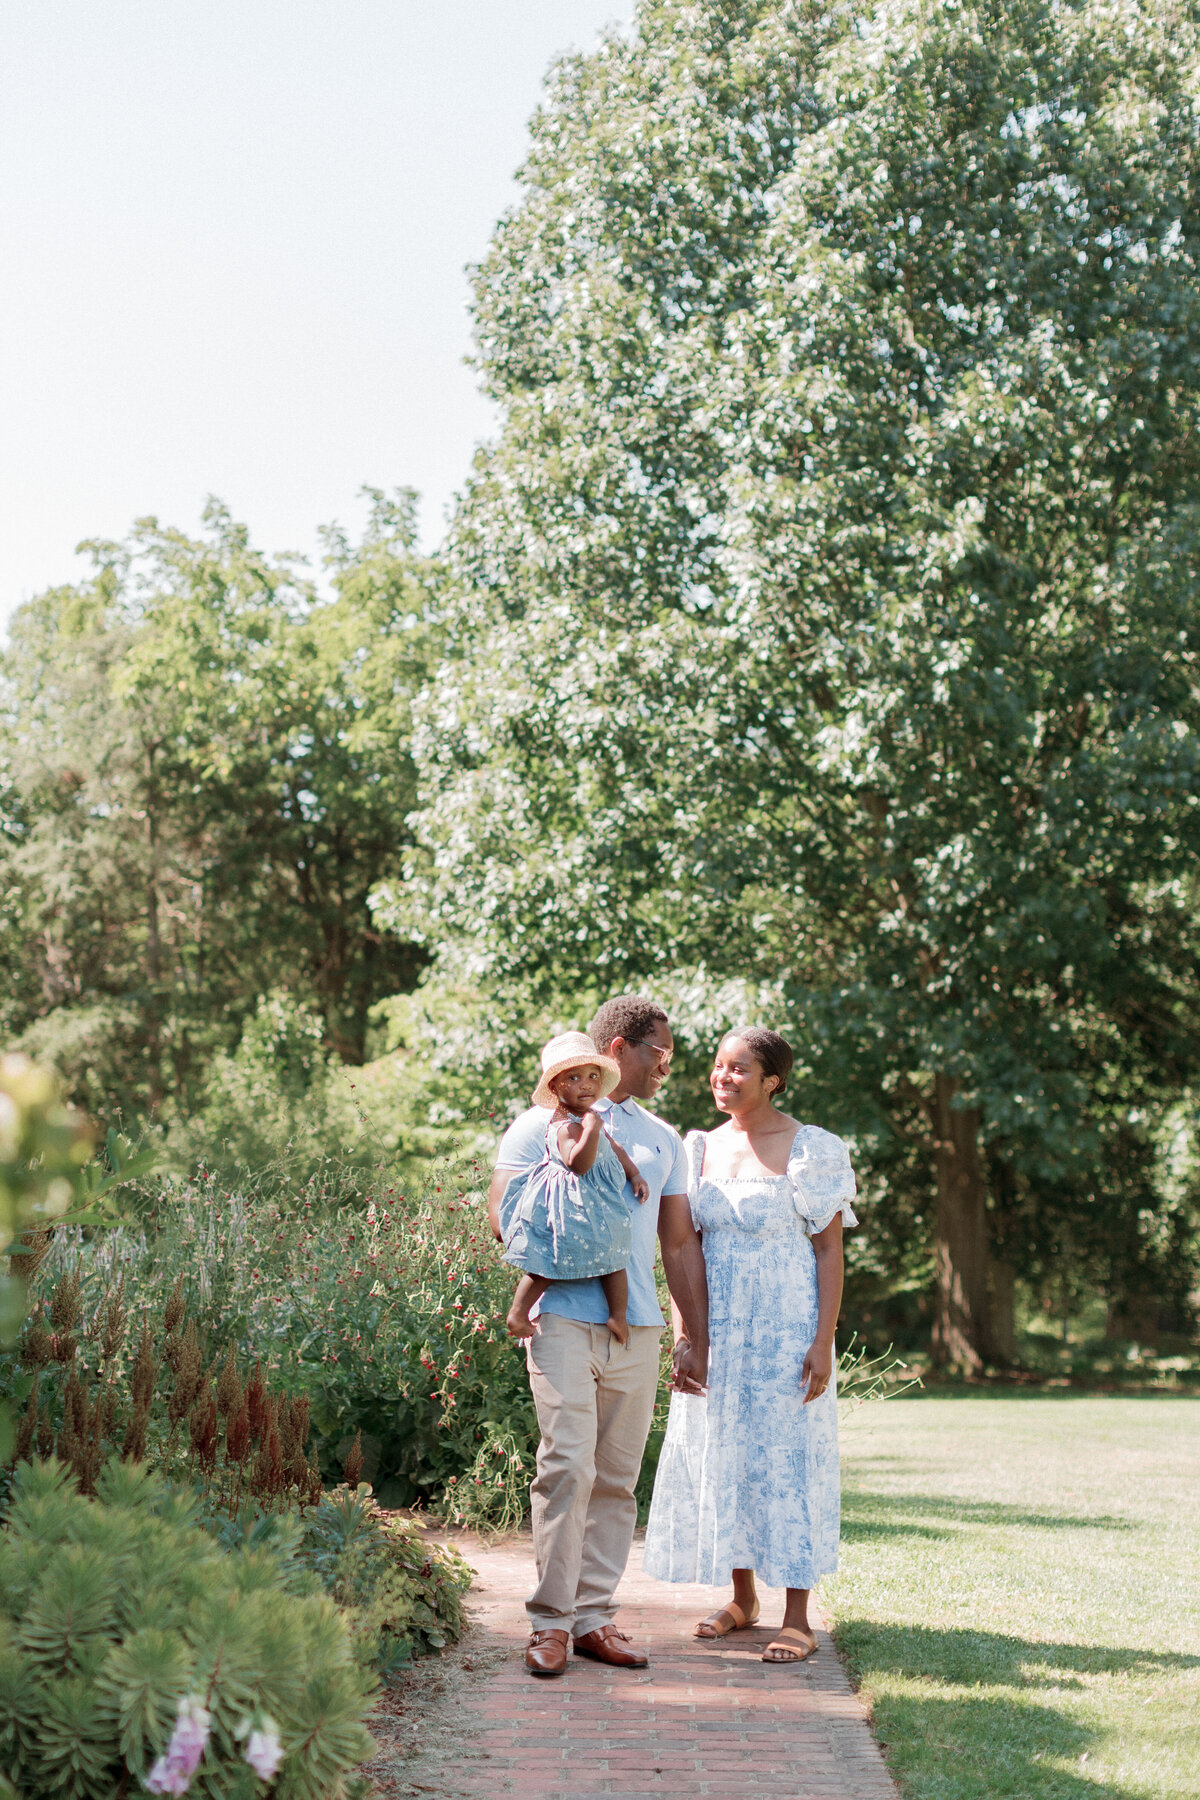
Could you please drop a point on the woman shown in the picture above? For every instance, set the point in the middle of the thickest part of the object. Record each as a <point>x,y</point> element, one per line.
<point>748,1479</point>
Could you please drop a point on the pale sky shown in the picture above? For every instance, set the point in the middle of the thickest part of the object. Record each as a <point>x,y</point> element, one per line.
<point>234,238</point>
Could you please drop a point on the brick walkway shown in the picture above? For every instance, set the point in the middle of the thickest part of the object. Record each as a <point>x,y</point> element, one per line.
<point>702,1719</point>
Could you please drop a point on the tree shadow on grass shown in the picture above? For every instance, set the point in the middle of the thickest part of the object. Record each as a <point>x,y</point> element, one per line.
<point>868,1515</point>
<point>970,1658</point>
<point>980,1744</point>
<point>988,1749</point>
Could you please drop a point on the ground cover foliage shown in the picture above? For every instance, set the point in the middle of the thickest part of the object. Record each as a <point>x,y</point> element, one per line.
<point>816,642</point>
<point>1018,1591</point>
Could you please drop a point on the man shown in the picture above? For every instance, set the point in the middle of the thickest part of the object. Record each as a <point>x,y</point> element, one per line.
<point>595,1397</point>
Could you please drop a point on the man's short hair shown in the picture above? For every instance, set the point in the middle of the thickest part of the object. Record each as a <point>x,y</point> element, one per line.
<point>628,1016</point>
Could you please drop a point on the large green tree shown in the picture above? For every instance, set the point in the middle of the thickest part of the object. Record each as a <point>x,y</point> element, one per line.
<point>206,767</point>
<point>826,605</point>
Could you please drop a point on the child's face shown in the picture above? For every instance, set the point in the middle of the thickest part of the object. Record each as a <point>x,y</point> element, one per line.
<point>578,1089</point>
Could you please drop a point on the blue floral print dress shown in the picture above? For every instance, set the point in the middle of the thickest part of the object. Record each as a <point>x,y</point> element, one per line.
<point>748,1477</point>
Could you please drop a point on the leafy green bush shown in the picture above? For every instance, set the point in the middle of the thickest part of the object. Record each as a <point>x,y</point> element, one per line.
<point>134,1647</point>
<point>442,1060</point>
<point>281,1099</point>
<point>387,1316</point>
<point>400,1595</point>
<point>43,1148</point>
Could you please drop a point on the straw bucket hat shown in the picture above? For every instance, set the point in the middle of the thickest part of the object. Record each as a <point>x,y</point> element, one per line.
<point>573,1050</point>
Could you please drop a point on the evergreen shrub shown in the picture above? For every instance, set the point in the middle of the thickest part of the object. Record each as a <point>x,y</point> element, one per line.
<point>137,1652</point>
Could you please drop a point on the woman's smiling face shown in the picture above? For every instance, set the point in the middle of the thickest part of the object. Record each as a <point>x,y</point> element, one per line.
<point>737,1080</point>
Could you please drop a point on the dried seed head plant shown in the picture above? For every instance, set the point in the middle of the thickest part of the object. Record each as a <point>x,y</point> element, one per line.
<point>89,1398</point>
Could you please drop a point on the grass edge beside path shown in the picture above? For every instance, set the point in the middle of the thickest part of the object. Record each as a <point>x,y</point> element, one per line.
<point>1018,1593</point>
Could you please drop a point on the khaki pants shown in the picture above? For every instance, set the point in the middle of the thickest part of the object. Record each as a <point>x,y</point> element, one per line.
<point>594,1404</point>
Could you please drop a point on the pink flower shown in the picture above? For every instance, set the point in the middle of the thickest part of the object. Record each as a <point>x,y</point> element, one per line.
<point>172,1773</point>
<point>264,1752</point>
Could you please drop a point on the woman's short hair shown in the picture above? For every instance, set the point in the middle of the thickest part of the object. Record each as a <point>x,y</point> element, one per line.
<point>773,1052</point>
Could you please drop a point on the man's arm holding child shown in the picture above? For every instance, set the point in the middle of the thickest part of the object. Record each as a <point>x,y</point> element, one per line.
<point>500,1180</point>
<point>520,1149</point>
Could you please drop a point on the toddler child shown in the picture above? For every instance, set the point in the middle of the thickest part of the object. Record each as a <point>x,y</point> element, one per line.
<point>568,1218</point>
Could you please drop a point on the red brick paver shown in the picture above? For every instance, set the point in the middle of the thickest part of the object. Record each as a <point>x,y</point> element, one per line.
<point>703,1719</point>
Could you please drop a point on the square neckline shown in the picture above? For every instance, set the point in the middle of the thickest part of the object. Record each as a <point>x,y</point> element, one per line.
<point>765,1175</point>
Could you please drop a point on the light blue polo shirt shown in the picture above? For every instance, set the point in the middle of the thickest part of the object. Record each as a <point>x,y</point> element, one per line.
<point>657,1149</point>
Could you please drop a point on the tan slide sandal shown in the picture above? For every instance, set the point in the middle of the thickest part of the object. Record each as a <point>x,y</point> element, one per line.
<point>720,1624</point>
<point>787,1642</point>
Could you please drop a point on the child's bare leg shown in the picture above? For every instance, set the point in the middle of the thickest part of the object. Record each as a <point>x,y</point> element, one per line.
<point>529,1288</point>
<point>616,1292</point>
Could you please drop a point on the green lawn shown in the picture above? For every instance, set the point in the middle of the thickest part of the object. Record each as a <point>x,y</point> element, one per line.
<point>1020,1593</point>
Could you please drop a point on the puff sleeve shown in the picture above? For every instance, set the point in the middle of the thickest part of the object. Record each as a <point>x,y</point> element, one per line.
<point>693,1147</point>
<point>822,1179</point>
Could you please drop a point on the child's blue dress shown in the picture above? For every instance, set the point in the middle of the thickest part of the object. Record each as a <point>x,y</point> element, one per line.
<point>564,1226</point>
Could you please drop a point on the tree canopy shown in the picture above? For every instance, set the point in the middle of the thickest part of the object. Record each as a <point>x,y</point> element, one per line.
<point>207,768</point>
<point>825,611</point>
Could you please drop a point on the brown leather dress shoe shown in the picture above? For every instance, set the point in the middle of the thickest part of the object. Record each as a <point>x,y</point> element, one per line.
<point>546,1652</point>
<point>605,1645</point>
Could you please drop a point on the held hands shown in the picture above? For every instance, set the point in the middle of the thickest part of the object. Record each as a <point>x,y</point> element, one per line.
<point>690,1369</point>
<point>817,1371</point>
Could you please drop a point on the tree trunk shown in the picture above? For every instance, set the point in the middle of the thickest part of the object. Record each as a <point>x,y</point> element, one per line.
<point>961,1327</point>
<point>1002,1275</point>
<point>1001,1339</point>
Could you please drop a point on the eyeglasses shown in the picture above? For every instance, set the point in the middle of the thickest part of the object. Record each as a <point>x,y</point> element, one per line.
<point>645,1044</point>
